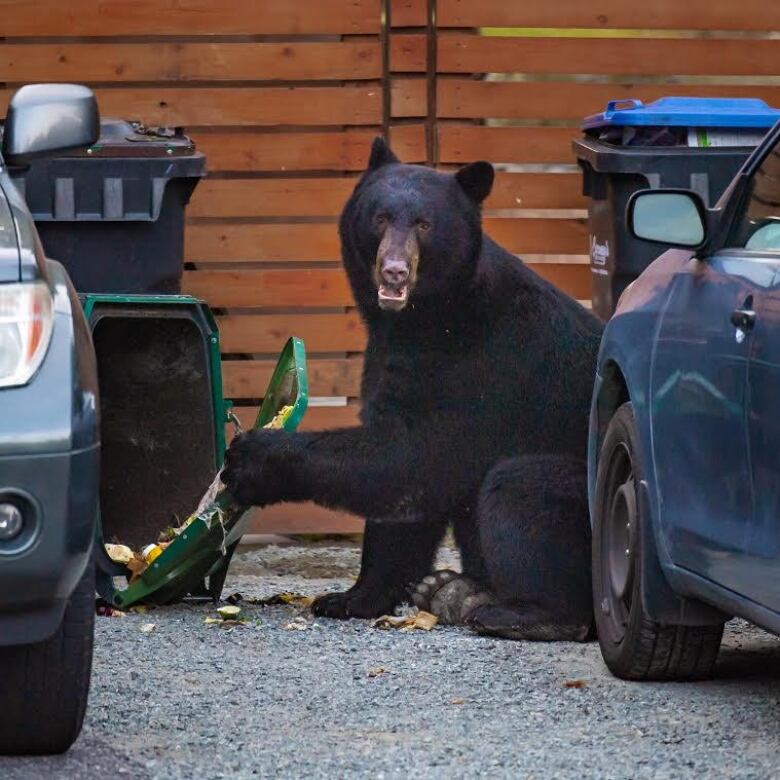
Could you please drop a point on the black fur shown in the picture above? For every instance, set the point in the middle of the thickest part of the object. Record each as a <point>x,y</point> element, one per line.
<point>487,362</point>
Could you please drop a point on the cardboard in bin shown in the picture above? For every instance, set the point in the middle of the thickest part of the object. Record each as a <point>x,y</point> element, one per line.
<point>683,121</point>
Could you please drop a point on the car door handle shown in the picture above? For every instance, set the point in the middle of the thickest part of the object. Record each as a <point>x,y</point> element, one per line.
<point>743,318</point>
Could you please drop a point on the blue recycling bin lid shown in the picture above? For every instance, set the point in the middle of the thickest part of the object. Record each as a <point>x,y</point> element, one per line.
<point>685,112</point>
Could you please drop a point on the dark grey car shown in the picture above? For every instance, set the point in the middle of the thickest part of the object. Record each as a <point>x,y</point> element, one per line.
<point>49,450</point>
<point>685,429</point>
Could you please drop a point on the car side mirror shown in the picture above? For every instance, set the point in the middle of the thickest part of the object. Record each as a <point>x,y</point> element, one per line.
<point>49,117</point>
<point>673,217</point>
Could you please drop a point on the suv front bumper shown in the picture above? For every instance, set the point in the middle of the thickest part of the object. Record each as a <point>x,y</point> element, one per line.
<point>38,573</point>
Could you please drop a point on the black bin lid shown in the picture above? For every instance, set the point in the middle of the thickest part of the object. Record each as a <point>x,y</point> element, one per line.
<point>121,138</point>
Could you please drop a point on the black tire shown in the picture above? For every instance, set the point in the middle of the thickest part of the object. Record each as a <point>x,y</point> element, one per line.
<point>633,646</point>
<point>44,686</point>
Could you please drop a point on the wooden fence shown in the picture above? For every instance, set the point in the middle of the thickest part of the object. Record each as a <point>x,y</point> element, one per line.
<point>284,96</point>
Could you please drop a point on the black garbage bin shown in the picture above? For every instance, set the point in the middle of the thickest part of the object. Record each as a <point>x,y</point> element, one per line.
<point>113,214</point>
<point>692,143</point>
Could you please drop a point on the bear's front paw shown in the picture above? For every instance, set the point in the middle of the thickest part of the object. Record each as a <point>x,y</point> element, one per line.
<point>354,603</point>
<point>256,469</point>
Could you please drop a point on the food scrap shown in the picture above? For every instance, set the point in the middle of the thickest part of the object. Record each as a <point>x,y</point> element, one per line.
<point>229,612</point>
<point>424,621</point>
<point>291,599</point>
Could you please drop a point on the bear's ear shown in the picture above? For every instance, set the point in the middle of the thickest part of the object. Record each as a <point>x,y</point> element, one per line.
<point>381,154</point>
<point>476,180</point>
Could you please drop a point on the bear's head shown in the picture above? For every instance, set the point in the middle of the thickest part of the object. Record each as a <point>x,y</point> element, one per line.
<point>411,234</point>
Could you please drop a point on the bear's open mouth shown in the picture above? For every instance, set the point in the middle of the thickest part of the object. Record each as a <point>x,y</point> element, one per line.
<point>393,298</point>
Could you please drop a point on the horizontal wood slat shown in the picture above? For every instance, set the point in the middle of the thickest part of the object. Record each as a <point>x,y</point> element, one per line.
<point>408,13</point>
<point>277,288</point>
<point>304,518</point>
<point>328,377</point>
<point>163,61</point>
<point>325,288</point>
<point>565,100</point>
<point>338,332</point>
<point>308,151</point>
<point>289,243</point>
<point>236,243</point>
<point>537,191</point>
<point>408,97</point>
<point>539,236</point>
<point>626,56</point>
<point>574,280</point>
<point>188,17</point>
<point>326,197</point>
<point>271,197</point>
<point>653,14</point>
<point>606,56</point>
<point>466,143</point>
<point>255,106</point>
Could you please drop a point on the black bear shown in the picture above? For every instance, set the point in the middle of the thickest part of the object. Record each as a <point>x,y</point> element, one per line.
<point>475,399</point>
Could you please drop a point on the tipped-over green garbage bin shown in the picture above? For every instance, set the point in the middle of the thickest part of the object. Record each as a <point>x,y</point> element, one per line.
<point>163,441</point>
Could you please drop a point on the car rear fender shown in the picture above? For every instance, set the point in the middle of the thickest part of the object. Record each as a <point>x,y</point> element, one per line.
<point>660,601</point>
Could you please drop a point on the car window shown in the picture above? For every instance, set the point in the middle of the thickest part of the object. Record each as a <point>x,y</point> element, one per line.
<point>758,227</point>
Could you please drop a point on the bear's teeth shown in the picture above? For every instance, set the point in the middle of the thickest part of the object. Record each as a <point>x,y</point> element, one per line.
<point>398,293</point>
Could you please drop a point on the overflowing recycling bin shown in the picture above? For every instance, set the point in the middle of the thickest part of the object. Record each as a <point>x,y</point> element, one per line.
<point>690,143</point>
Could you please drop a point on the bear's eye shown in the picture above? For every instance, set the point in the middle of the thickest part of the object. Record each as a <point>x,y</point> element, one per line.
<point>423,225</point>
<point>381,220</point>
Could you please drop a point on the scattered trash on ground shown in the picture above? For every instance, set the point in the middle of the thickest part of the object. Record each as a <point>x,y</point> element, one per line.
<point>576,683</point>
<point>377,671</point>
<point>229,612</point>
<point>298,624</point>
<point>458,701</point>
<point>291,599</point>
<point>285,598</point>
<point>106,610</point>
<point>424,621</point>
<point>147,628</point>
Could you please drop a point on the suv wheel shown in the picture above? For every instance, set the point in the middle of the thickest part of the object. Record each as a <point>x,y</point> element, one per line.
<point>44,686</point>
<point>635,647</point>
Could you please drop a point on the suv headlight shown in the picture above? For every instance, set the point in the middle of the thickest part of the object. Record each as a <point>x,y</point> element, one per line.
<point>26,319</point>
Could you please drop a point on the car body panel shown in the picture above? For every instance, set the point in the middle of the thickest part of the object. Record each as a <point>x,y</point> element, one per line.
<point>705,390</point>
<point>49,456</point>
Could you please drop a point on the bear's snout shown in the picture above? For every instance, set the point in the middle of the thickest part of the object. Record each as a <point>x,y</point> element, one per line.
<point>395,270</point>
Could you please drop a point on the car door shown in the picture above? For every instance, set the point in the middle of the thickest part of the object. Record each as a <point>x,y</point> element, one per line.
<point>763,545</point>
<point>698,416</point>
<point>756,238</point>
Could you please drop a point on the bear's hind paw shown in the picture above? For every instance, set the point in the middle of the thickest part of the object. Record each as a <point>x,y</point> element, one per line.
<point>448,595</point>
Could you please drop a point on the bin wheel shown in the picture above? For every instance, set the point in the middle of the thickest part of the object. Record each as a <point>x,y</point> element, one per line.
<point>633,646</point>
<point>45,686</point>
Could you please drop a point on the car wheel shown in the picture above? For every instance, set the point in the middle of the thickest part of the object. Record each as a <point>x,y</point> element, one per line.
<point>44,686</point>
<point>635,647</point>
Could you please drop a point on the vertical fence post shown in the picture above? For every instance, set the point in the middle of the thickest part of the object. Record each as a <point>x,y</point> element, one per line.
<point>431,67</point>
<point>385,28</point>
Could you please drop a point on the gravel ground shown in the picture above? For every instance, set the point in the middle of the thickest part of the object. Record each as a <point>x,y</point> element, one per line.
<point>342,699</point>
